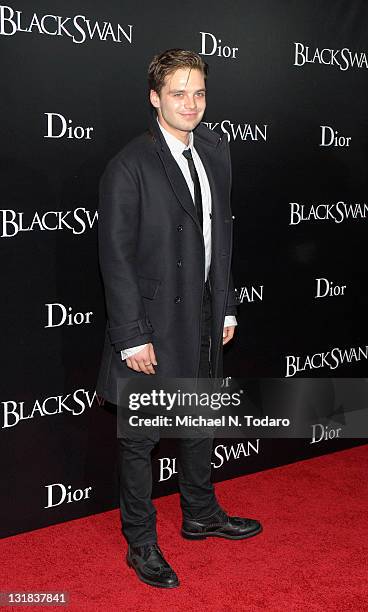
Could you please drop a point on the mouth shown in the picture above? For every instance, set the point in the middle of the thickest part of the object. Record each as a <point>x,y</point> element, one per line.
<point>189,114</point>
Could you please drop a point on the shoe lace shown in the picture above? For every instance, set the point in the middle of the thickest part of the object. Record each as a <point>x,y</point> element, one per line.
<point>165,567</point>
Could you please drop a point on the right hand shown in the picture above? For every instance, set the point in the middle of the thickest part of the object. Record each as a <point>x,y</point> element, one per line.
<point>146,355</point>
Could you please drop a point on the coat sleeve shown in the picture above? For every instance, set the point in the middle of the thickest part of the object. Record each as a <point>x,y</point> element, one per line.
<point>232,299</point>
<point>118,225</point>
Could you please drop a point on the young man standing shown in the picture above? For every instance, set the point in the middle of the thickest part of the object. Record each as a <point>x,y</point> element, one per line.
<point>165,244</point>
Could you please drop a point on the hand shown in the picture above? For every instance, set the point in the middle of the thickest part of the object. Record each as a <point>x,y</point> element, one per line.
<point>228,334</point>
<point>146,356</point>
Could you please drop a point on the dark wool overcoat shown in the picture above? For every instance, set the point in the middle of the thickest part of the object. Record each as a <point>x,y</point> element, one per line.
<point>151,253</point>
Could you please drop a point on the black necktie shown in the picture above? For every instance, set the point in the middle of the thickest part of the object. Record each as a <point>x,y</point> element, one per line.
<point>197,187</point>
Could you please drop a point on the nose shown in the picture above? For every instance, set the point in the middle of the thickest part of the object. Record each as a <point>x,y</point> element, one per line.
<point>189,102</point>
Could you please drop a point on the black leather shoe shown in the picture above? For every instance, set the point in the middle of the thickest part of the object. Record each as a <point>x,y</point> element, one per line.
<point>220,525</point>
<point>151,566</point>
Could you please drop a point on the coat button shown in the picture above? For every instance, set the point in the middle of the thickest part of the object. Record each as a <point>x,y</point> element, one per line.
<point>179,228</point>
<point>177,299</point>
<point>179,263</point>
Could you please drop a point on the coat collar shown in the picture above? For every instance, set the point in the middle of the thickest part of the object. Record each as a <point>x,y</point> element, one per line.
<point>175,145</point>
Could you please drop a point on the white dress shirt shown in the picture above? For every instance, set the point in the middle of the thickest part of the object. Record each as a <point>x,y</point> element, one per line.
<point>177,147</point>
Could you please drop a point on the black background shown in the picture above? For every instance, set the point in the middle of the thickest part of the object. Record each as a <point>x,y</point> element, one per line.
<point>103,84</point>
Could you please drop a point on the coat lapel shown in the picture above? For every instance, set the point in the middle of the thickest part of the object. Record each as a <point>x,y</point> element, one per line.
<point>219,185</point>
<point>209,162</point>
<point>174,174</point>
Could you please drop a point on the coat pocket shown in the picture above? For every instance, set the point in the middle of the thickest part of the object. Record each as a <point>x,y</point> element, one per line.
<point>148,287</point>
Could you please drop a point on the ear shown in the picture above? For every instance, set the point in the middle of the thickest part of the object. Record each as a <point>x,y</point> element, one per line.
<point>154,98</point>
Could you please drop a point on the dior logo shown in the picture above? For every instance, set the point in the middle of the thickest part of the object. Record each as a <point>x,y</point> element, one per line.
<point>167,468</point>
<point>211,44</point>
<point>330,138</point>
<point>324,432</point>
<point>326,288</point>
<point>57,493</point>
<point>58,314</point>
<point>57,127</point>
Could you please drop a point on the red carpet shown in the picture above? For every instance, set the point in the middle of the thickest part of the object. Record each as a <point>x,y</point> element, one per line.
<point>311,556</point>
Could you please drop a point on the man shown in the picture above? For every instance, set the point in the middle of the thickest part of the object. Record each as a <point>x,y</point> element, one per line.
<point>165,243</point>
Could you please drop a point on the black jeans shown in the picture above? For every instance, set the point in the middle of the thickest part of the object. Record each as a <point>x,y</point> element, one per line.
<point>197,496</point>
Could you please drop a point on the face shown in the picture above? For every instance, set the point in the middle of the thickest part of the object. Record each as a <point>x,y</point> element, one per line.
<point>182,102</point>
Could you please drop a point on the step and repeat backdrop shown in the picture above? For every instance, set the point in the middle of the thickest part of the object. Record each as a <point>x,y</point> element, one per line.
<point>288,87</point>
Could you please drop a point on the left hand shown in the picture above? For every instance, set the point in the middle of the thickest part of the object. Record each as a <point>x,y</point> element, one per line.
<point>228,334</point>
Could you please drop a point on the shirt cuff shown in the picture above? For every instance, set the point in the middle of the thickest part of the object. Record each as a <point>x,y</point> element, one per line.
<point>126,353</point>
<point>230,321</point>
